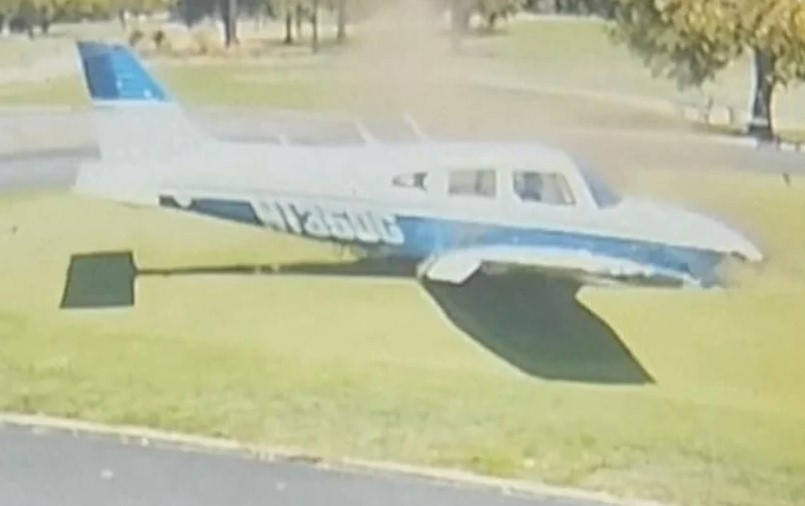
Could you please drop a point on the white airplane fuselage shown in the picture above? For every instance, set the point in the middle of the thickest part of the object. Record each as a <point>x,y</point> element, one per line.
<point>454,207</point>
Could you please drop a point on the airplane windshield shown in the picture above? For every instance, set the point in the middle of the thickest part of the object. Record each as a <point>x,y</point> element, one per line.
<point>602,193</point>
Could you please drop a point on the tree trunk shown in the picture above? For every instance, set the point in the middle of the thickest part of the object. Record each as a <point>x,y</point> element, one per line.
<point>459,22</point>
<point>760,125</point>
<point>288,27</point>
<point>298,18</point>
<point>314,25</point>
<point>230,18</point>
<point>492,21</point>
<point>608,9</point>
<point>341,20</point>
<point>121,16</point>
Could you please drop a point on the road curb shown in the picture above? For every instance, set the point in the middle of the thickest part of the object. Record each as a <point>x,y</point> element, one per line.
<point>144,436</point>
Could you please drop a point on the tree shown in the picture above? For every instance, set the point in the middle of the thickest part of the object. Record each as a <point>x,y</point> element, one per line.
<point>299,17</point>
<point>45,18</point>
<point>493,10</point>
<point>490,11</point>
<point>229,16</point>
<point>122,8</point>
<point>193,11</point>
<point>314,26</point>
<point>28,14</point>
<point>691,41</point>
<point>291,13</point>
<point>460,14</point>
<point>341,20</point>
<point>775,33</point>
<point>287,13</point>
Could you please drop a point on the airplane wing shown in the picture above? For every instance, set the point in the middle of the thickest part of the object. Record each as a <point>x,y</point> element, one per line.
<point>457,266</point>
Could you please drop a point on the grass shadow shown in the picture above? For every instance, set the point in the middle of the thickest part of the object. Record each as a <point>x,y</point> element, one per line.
<point>533,322</point>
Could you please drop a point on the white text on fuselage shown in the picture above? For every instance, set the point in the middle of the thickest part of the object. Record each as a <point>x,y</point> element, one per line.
<point>330,222</point>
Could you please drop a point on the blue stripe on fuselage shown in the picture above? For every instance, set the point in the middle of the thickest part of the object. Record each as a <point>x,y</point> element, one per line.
<point>231,210</point>
<point>429,235</point>
<point>425,236</point>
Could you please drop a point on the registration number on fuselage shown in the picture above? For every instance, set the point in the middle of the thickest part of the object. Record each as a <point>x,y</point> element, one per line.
<point>330,222</point>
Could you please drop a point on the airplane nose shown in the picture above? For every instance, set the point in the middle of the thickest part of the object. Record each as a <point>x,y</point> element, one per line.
<point>693,228</point>
<point>722,237</point>
<point>737,244</point>
<point>749,251</point>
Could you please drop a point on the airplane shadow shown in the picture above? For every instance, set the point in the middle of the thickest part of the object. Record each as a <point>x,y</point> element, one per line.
<point>533,322</point>
<point>537,325</point>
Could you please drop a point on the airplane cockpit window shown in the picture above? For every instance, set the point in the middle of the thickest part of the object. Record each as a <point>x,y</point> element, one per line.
<point>602,193</point>
<point>473,183</point>
<point>543,188</point>
<point>413,180</point>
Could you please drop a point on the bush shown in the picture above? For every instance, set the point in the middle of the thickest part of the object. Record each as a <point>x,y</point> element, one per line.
<point>140,41</point>
<point>176,40</point>
<point>208,40</point>
<point>159,38</point>
<point>135,37</point>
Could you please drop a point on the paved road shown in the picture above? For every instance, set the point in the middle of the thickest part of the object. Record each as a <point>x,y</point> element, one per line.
<point>50,469</point>
<point>52,158</point>
<point>41,171</point>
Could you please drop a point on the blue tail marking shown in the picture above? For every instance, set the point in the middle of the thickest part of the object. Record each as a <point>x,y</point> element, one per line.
<point>114,73</point>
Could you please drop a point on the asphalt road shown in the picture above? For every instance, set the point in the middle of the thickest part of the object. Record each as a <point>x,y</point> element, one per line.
<point>42,171</point>
<point>44,164</point>
<point>60,469</point>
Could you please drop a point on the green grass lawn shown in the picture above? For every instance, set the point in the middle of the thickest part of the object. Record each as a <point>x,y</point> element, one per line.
<point>242,84</point>
<point>562,55</point>
<point>18,50</point>
<point>382,367</point>
<point>68,90</point>
<point>582,55</point>
<point>227,83</point>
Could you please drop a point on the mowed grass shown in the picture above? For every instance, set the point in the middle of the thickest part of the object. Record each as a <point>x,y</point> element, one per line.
<point>382,367</point>
<point>565,55</point>
<point>66,90</point>
<point>228,84</point>
<point>225,83</point>
<point>245,84</point>
<point>19,50</point>
<point>581,55</point>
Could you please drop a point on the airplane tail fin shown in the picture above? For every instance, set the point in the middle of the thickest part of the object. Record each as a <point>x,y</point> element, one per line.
<point>136,116</point>
<point>139,125</point>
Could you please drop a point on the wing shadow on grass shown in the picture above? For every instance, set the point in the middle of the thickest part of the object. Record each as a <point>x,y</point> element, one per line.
<point>533,322</point>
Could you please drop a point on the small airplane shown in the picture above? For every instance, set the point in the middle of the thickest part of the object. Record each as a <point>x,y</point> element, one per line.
<point>454,208</point>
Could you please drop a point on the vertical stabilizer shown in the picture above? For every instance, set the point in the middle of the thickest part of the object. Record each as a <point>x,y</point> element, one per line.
<point>135,116</point>
<point>141,130</point>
